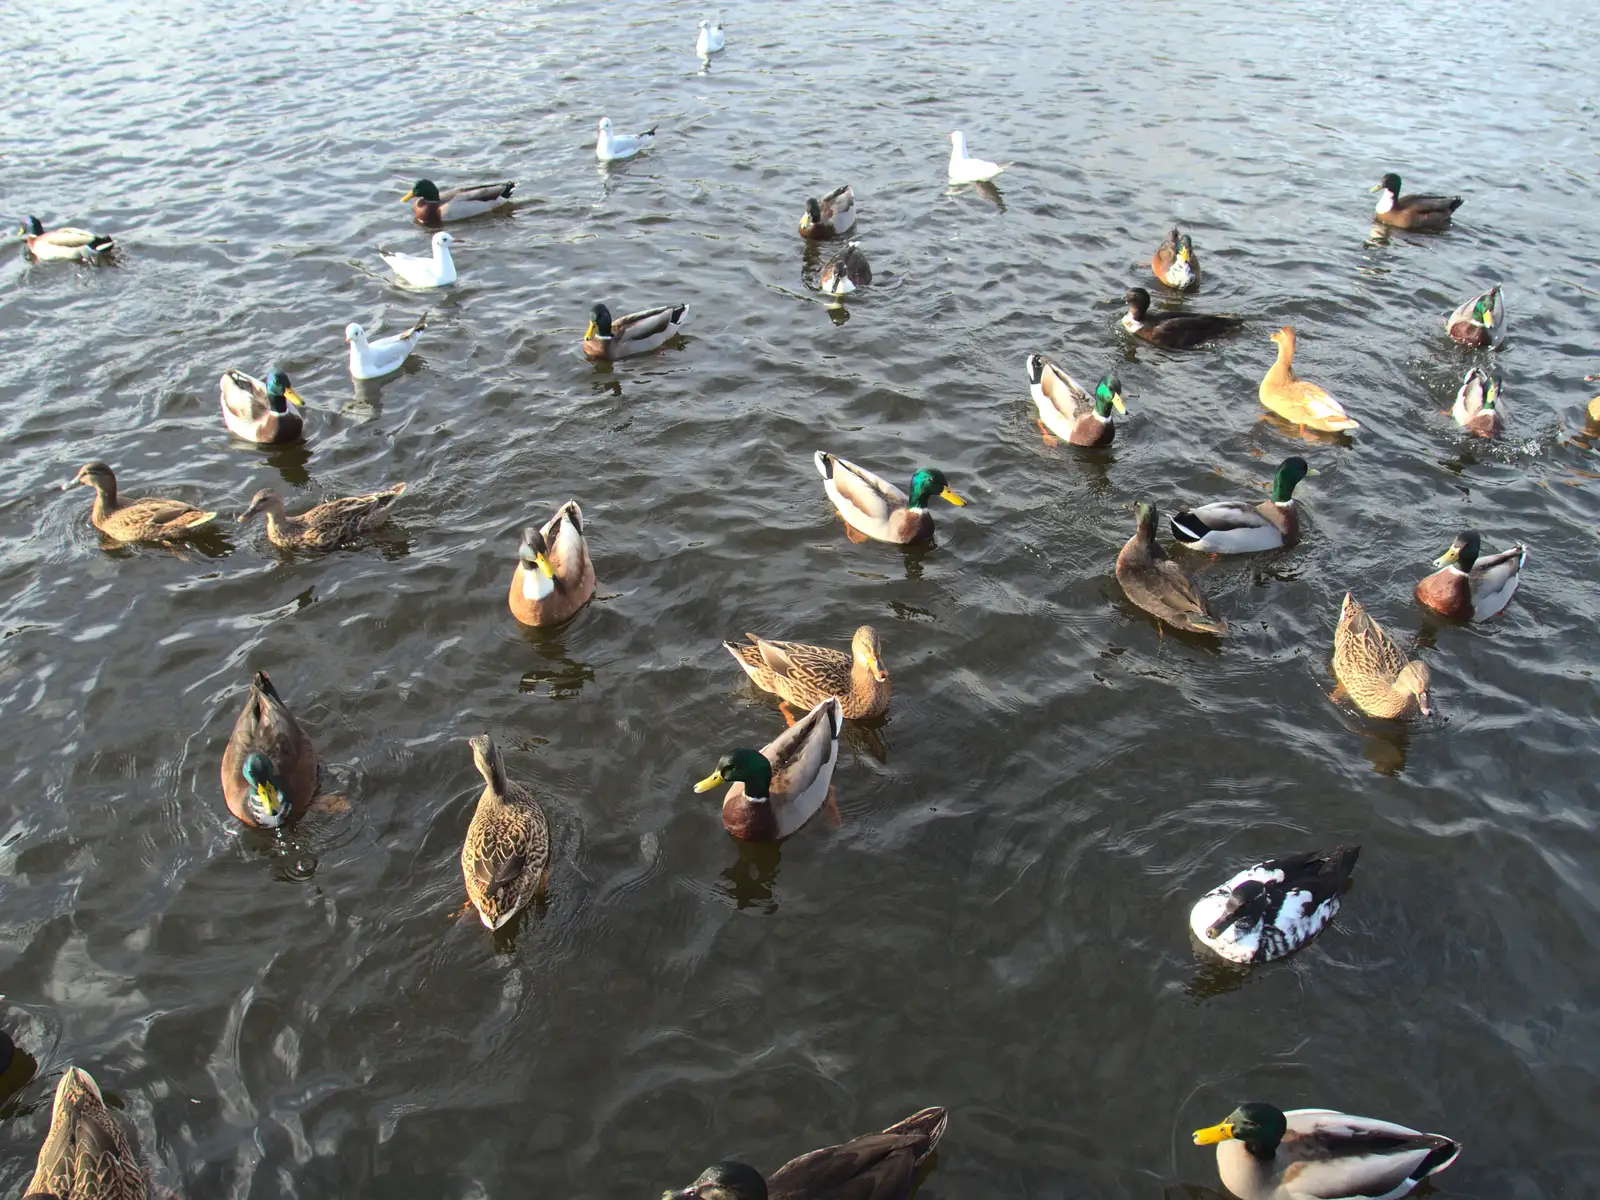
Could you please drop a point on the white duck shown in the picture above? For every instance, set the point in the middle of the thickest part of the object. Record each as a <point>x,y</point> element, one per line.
<point>711,39</point>
<point>1273,908</point>
<point>970,170</point>
<point>613,147</point>
<point>437,270</point>
<point>373,360</point>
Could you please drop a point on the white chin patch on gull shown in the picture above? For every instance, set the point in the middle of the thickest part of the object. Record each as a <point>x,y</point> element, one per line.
<point>536,585</point>
<point>1385,202</point>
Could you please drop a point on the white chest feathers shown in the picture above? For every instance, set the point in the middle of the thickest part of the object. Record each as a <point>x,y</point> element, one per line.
<point>536,585</point>
<point>1385,201</point>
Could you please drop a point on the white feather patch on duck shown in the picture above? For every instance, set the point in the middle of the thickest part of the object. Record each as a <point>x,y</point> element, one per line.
<point>1275,907</point>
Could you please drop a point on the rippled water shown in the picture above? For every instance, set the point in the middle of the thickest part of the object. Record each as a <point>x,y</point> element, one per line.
<point>998,923</point>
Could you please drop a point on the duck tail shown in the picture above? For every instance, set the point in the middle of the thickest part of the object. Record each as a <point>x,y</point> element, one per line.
<point>102,244</point>
<point>928,1124</point>
<point>1188,528</point>
<point>824,462</point>
<point>1206,623</point>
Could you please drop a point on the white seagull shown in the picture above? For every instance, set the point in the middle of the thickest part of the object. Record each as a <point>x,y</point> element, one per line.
<point>612,147</point>
<point>373,360</point>
<point>711,39</point>
<point>970,170</point>
<point>437,270</point>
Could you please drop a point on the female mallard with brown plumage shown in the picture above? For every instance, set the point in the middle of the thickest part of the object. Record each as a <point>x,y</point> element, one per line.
<point>805,675</point>
<point>1155,583</point>
<point>1299,400</point>
<point>269,770</point>
<point>260,410</point>
<point>1066,407</point>
<point>832,215</point>
<point>636,333</point>
<point>1477,406</point>
<point>875,1166</point>
<point>875,508</point>
<point>1372,668</point>
<point>85,1155</point>
<point>1174,330</point>
<point>1240,527</point>
<point>1469,588</point>
<point>433,208</point>
<point>1175,262</point>
<point>1480,321</point>
<point>780,787</point>
<point>1412,212</point>
<point>505,858</point>
<point>327,526</point>
<point>147,520</point>
<point>554,577</point>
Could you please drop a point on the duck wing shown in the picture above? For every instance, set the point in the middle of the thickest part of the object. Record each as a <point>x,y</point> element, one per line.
<point>1061,391</point>
<point>479,191</point>
<point>1337,1155</point>
<point>874,497</point>
<point>1428,204</point>
<point>244,395</point>
<point>876,1166</point>
<point>648,323</point>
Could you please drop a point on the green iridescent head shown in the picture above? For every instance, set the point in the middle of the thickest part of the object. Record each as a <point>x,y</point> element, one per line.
<point>928,483</point>
<point>1108,395</point>
<point>746,766</point>
<point>1292,471</point>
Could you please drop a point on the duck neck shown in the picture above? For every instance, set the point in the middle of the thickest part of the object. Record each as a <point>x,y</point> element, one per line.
<point>1282,371</point>
<point>105,498</point>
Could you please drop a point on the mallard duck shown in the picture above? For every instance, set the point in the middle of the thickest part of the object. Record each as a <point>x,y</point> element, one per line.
<point>780,787</point>
<point>1270,910</point>
<point>876,508</point>
<point>1174,330</point>
<point>1594,405</point>
<point>259,411</point>
<point>710,39</point>
<point>970,170</point>
<point>875,1166</point>
<point>1299,400</point>
<point>1477,406</point>
<point>435,270</point>
<point>1264,1153</point>
<point>505,859</point>
<point>1469,588</point>
<point>326,526</point>
<point>613,147</point>
<point>554,577</point>
<point>433,208</point>
<point>805,675</point>
<point>830,216</point>
<point>1370,665</point>
<point>148,520</point>
<point>373,360</point>
<point>1480,321</point>
<point>846,271</point>
<point>1175,262</point>
<point>1158,585</point>
<point>269,770</point>
<point>85,1155</point>
<point>636,333</point>
<point>1240,527</point>
<point>66,242</point>
<point>1067,409</point>
<point>1412,212</point>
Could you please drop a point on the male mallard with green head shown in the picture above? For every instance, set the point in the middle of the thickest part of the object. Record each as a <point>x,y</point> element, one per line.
<point>1480,321</point>
<point>1240,527</point>
<point>830,216</point>
<point>433,207</point>
<point>1477,406</point>
<point>1067,409</point>
<point>875,508</point>
<point>65,242</point>
<point>269,770</point>
<point>780,787</point>
<point>1469,588</point>
<point>261,411</point>
<point>636,333</point>
<point>1175,262</point>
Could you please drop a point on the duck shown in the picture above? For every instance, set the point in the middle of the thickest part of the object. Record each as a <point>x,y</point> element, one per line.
<point>505,859</point>
<point>433,208</point>
<point>846,271</point>
<point>147,520</point>
<point>434,271</point>
<point>1469,588</point>
<point>1153,582</point>
<point>710,39</point>
<point>1370,665</point>
<point>373,360</point>
<point>614,147</point>
<point>327,526</point>
<point>1174,330</point>
<point>1241,527</point>
<point>636,333</point>
<point>1412,212</point>
<point>1068,409</point>
<point>269,770</point>
<point>1480,321</point>
<point>1273,908</point>
<point>554,577</point>
<point>830,216</point>
<point>875,507</point>
<point>65,242</point>
<point>1175,263</point>
<point>1594,405</point>
<point>1264,1153</point>
<point>964,169</point>
<point>780,787</point>
<point>1477,406</point>
<point>805,675</point>
<point>1297,400</point>
<point>85,1156</point>
<point>259,411</point>
<point>875,1166</point>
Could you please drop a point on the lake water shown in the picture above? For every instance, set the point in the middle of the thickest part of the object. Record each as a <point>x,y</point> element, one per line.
<point>999,922</point>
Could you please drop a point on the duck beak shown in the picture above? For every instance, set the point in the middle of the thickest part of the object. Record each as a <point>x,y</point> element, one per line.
<point>592,331</point>
<point>1116,403</point>
<point>1216,1133</point>
<point>293,397</point>
<point>705,785</point>
<point>1488,316</point>
<point>947,494</point>
<point>1183,254</point>
<point>544,566</point>
<point>410,195</point>
<point>270,798</point>
<point>1425,703</point>
<point>876,668</point>
<point>1377,187</point>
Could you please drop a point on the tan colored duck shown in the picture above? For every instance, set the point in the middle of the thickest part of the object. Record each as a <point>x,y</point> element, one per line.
<point>1372,668</point>
<point>1477,406</point>
<point>1155,583</point>
<point>260,410</point>
<point>875,508</point>
<point>805,675</point>
<point>505,859</point>
<point>147,520</point>
<point>1299,400</point>
<point>554,577</point>
<point>1067,409</point>
<point>636,333</point>
<point>1469,588</point>
<point>1412,212</point>
<point>433,207</point>
<point>1594,405</point>
<point>269,770</point>
<point>1175,263</point>
<point>780,787</point>
<point>832,215</point>
<point>327,526</point>
<point>85,1155</point>
<point>1480,321</point>
<point>875,1166</point>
